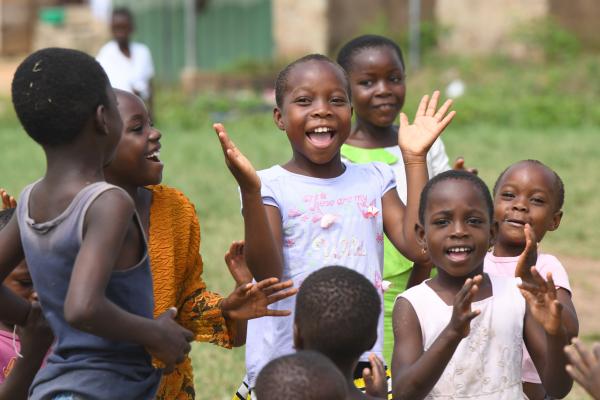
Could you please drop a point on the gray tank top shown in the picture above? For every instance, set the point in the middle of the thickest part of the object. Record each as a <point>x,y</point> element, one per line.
<point>81,363</point>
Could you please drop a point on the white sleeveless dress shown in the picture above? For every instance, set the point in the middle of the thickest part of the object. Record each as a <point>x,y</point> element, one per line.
<point>487,364</point>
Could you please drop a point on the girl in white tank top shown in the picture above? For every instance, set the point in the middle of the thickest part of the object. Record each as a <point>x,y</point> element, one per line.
<point>459,335</point>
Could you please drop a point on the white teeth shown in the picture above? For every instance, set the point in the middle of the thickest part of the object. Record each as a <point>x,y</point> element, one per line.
<point>153,154</point>
<point>322,129</point>
<point>458,250</point>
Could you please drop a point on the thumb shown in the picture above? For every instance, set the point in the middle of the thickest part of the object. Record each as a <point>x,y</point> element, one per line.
<point>171,312</point>
<point>367,375</point>
<point>459,163</point>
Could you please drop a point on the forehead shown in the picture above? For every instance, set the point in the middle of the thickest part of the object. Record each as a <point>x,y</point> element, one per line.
<point>374,58</point>
<point>129,104</point>
<point>454,194</point>
<point>121,19</point>
<point>316,74</point>
<point>531,176</point>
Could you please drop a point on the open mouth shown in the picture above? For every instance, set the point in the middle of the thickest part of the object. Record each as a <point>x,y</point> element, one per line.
<point>459,253</point>
<point>386,107</point>
<point>515,222</point>
<point>154,156</point>
<point>321,136</point>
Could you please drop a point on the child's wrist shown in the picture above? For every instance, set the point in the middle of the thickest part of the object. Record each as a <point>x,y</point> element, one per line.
<point>414,159</point>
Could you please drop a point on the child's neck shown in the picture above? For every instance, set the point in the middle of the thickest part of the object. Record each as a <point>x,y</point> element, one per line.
<point>302,166</point>
<point>72,167</point>
<point>366,135</point>
<point>347,369</point>
<point>502,249</point>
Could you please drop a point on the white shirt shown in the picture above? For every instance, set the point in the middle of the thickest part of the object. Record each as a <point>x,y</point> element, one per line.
<point>132,74</point>
<point>325,222</point>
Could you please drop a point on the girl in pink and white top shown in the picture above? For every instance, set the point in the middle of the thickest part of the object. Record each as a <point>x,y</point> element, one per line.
<point>528,200</point>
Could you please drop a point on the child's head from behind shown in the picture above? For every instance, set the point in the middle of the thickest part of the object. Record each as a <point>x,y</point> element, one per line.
<point>527,192</point>
<point>19,280</point>
<point>57,92</point>
<point>456,222</point>
<point>313,107</point>
<point>136,161</point>
<point>306,375</point>
<point>375,67</point>
<point>121,25</point>
<point>337,311</point>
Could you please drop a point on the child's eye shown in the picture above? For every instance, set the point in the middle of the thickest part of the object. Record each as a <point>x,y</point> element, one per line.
<point>538,200</point>
<point>474,221</point>
<point>25,283</point>
<point>137,128</point>
<point>366,82</point>
<point>339,100</point>
<point>441,222</point>
<point>302,100</point>
<point>396,79</point>
<point>507,195</point>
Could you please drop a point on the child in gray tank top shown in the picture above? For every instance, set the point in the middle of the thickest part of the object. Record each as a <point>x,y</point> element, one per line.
<point>83,242</point>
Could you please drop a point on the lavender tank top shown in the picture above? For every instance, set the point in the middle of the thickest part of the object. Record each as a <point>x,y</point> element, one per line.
<point>86,365</point>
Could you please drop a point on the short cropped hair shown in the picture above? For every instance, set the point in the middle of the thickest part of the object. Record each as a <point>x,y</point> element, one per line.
<point>55,91</point>
<point>337,311</point>
<point>349,50</point>
<point>5,216</point>
<point>559,186</point>
<point>124,11</point>
<point>306,375</point>
<point>282,77</point>
<point>461,176</point>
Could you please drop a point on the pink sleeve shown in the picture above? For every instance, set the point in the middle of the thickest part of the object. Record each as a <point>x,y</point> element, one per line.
<point>548,263</point>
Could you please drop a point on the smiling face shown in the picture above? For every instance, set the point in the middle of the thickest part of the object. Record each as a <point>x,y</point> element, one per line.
<point>136,162</point>
<point>315,112</point>
<point>526,193</point>
<point>378,86</point>
<point>457,230</point>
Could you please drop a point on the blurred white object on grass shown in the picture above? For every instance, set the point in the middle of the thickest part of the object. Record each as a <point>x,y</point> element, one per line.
<point>455,88</point>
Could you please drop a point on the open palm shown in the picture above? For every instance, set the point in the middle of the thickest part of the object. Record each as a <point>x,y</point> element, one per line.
<point>252,300</point>
<point>417,138</point>
<point>242,170</point>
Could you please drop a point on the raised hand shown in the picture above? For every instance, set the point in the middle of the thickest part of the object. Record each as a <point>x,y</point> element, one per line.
<point>459,165</point>
<point>528,257</point>
<point>375,379</point>
<point>543,304</point>
<point>7,200</point>
<point>460,322</point>
<point>171,342</point>
<point>584,366</point>
<point>236,263</point>
<point>416,139</point>
<point>241,169</point>
<point>252,300</point>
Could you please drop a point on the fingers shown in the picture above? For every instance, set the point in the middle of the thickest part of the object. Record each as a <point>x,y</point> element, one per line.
<point>266,283</point>
<point>281,295</point>
<point>432,104</point>
<point>7,200</point>
<point>459,164</point>
<point>439,115</point>
<point>423,105</point>
<point>277,313</point>
<point>447,119</point>
<point>277,287</point>
<point>403,121</point>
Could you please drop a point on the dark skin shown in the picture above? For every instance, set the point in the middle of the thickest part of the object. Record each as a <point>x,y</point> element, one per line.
<point>526,208</point>
<point>137,164</point>
<point>584,366</point>
<point>375,378</point>
<point>378,83</point>
<point>109,224</point>
<point>316,98</point>
<point>457,218</point>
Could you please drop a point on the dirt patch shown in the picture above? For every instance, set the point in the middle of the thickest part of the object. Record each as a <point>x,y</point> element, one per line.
<point>584,275</point>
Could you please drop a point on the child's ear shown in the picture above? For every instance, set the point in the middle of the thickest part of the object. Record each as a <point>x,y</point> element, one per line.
<point>493,232</point>
<point>298,342</point>
<point>556,218</point>
<point>100,119</point>
<point>420,236</point>
<point>278,118</point>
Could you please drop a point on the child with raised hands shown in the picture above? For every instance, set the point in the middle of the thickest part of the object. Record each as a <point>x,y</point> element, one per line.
<point>170,222</point>
<point>528,200</point>
<point>584,366</point>
<point>460,334</point>
<point>337,312</point>
<point>320,211</point>
<point>377,74</point>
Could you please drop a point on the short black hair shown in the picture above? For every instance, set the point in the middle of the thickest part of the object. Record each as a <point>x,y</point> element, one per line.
<point>55,91</point>
<point>559,186</point>
<point>456,175</point>
<point>5,216</point>
<point>126,12</point>
<point>282,77</point>
<point>337,311</point>
<point>350,49</point>
<point>306,375</point>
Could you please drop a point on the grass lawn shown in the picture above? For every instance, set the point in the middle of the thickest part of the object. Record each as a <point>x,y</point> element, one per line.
<point>194,164</point>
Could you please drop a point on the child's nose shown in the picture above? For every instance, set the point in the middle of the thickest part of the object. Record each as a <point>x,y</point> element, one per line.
<point>155,134</point>
<point>322,110</point>
<point>382,88</point>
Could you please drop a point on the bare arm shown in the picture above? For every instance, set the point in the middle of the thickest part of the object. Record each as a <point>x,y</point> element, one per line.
<point>86,306</point>
<point>414,371</point>
<point>13,309</point>
<point>415,141</point>
<point>263,254</point>
<point>545,334</point>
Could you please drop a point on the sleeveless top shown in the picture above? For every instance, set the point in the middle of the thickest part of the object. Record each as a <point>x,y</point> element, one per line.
<point>81,363</point>
<point>486,364</point>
